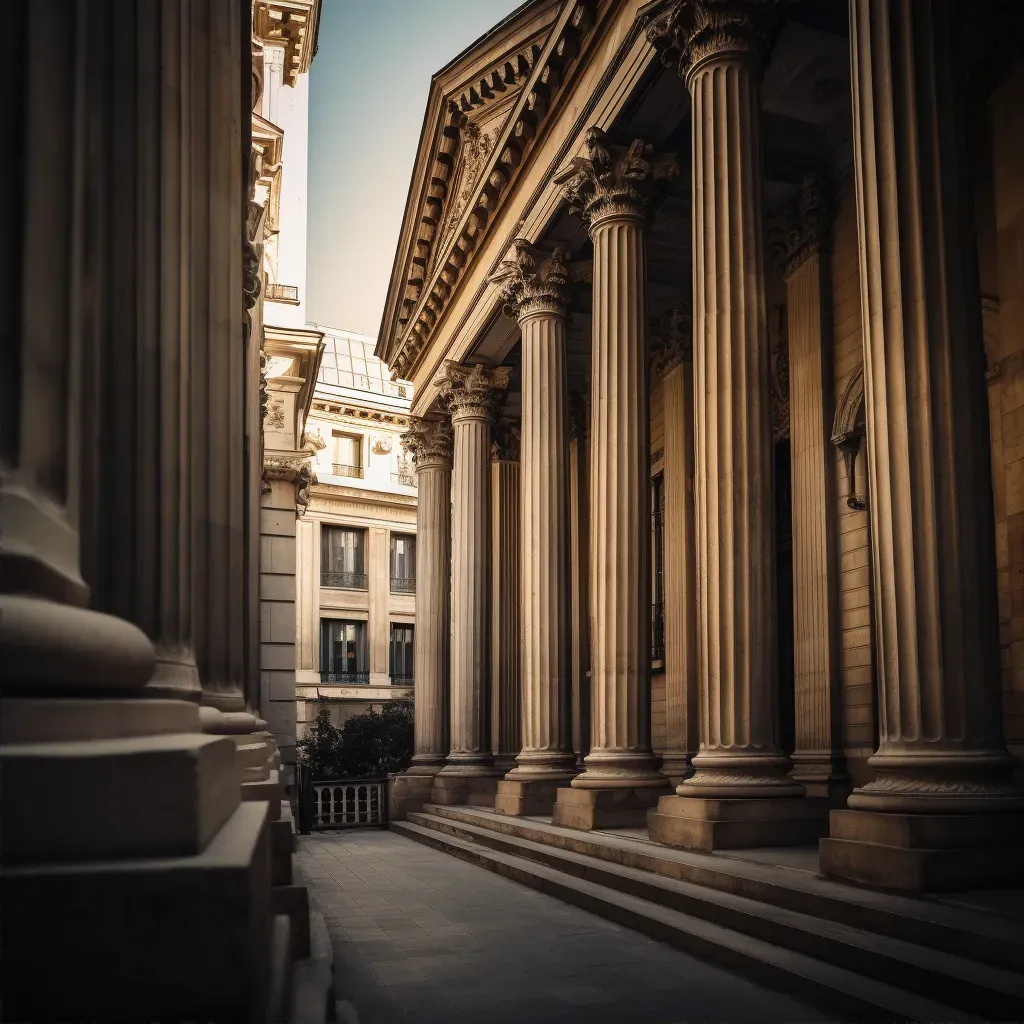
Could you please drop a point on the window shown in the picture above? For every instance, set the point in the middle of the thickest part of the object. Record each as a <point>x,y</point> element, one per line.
<point>348,454</point>
<point>343,655</point>
<point>401,655</point>
<point>342,558</point>
<point>403,564</point>
<point>658,568</point>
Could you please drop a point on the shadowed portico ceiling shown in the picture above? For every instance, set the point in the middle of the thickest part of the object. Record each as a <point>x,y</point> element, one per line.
<point>483,114</point>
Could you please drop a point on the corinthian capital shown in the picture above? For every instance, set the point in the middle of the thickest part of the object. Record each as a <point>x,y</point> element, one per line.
<point>474,390</point>
<point>429,442</point>
<point>802,230</point>
<point>614,180</point>
<point>673,343</point>
<point>505,446</point>
<point>691,31</point>
<point>531,283</point>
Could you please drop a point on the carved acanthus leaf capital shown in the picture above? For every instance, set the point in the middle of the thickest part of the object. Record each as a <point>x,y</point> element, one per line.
<point>428,442</point>
<point>532,283</point>
<point>673,343</point>
<point>614,180</point>
<point>505,446</point>
<point>475,390</point>
<point>691,31</point>
<point>803,229</point>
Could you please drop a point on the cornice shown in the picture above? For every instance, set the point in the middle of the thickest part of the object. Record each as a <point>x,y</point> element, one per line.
<point>296,24</point>
<point>337,492</point>
<point>423,301</point>
<point>341,412</point>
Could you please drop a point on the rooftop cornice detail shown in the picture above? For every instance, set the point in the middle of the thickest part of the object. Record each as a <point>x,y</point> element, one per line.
<point>294,23</point>
<point>340,412</point>
<point>424,301</point>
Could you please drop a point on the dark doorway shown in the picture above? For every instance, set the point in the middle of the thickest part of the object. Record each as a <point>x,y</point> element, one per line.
<point>784,664</point>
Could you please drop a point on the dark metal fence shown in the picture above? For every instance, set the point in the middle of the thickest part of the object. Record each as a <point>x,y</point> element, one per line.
<point>339,803</point>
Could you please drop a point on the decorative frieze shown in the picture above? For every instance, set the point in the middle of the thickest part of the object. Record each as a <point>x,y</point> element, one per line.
<point>532,283</point>
<point>614,180</point>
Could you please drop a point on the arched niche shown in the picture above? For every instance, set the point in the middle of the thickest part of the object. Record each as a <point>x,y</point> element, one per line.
<point>848,433</point>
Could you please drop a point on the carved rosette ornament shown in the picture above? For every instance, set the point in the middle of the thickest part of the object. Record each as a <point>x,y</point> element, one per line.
<point>673,343</point>
<point>505,446</point>
<point>693,31</point>
<point>532,284</point>
<point>802,230</point>
<point>613,180</point>
<point>428,443</point>
<point>474,391</point>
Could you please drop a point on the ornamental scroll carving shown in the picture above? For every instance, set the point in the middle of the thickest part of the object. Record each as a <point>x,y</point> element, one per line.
<point>690,31</point>
<point>614,180</point>
<point>428,441</point>
<point>532,283</point>
<point>474,390</point>
<point>848,431</point>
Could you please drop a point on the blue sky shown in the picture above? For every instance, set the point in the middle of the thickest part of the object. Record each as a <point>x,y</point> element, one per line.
<point>368,92</point>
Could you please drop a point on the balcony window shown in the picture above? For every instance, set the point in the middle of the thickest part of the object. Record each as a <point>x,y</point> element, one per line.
<point>401,655</point>
<point>658,569</point>
<point>342,558</point>
<point>348,455</point>
<point>343,655</point>
<point>403,564</point>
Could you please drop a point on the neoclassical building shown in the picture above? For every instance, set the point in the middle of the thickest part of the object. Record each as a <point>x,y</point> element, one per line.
<point>712,309</point>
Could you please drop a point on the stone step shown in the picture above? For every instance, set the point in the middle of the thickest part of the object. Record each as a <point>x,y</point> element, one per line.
<point>956,981</point>
<point>979,935</point>
<point>834,989</point>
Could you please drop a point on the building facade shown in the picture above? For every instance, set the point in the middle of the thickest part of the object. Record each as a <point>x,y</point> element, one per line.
<point>356,540</point>
<point>742,280</point>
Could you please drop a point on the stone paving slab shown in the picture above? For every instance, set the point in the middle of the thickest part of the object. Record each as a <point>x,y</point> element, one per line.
<point>420,937</point>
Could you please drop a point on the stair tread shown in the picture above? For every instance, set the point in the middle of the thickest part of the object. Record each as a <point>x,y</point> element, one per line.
<point>893,1000</point>
<point>991,926</point>
<point>963,969</point>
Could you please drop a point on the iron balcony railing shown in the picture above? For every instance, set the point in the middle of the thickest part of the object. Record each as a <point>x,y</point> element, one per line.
<point>283,292</point>
<point>400,680</point>
<point>405,479</point>
<point>344,580</point>
<point>345,678</point>
<point>657,631</point>
<point>403,584</point>
<point>341,469</point>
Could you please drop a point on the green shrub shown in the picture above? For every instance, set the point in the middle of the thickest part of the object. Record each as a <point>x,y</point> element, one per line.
<point>370,745</point>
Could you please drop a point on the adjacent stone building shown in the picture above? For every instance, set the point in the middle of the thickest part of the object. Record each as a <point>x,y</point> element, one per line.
<point>356,539</point>
<point>753,558</point>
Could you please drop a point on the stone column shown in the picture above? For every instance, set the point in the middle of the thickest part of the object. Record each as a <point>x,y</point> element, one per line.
<point>474,394</point>
<point>506,619</point>
<point>579,562</point>
<point>944,774</point>
<point>818,762</point>
<point>429,442</point>
<point>673,362</point>
<point>620,778</point>
<point>535,292</point>
<point>720,50</point>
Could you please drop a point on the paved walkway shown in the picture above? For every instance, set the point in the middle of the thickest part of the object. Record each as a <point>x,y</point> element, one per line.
<point>422,937</point>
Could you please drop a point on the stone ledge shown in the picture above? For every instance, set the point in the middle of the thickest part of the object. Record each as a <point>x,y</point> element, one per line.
<point>603,808</point>
<point>699,823</point>
<point>139,797</point>
<point>408,793</point>
<point>181,938</point>
<point>475,790</point>
<point>65,720</point>
<point>526,799</point>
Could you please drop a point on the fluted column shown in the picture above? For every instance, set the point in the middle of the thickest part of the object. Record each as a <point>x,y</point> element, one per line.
<point>474,394</point>
<point>579,547</point>
<point>138,454</point>
<point>673,362</point>
<point>940,733</point>
<point>506,619</point>
<point>608,186</point>
<point>818,758</point>
<point>430,444</point>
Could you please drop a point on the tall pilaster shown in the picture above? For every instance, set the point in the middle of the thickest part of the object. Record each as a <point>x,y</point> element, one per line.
<point>620,779</point>
<point>942,766</point>
<point>673,362</point>
<point>535,292</point>
<point>506,618</point>
<point>579,563</point>
<point>720,50</point>
<point>430,444</point>
<point>818,757</point>
<point>475,395</point>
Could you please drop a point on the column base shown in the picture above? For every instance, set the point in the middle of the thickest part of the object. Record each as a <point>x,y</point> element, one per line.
<point>603,808</point>
<point>924,852</point>
<point>407,793</point>
<point>475,790</point>
<point>676,768</point>
<point>823,784</point>
<point>703,823</point>
<point>521,798</point>
<point>427,765</point>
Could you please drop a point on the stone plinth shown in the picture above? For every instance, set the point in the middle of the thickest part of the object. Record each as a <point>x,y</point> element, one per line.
<point>407,793</point>
<point>701,823</point>
<point>476,790</point>
<point>603,808</point>
<point>519,797</point>
<point>922,852</point>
